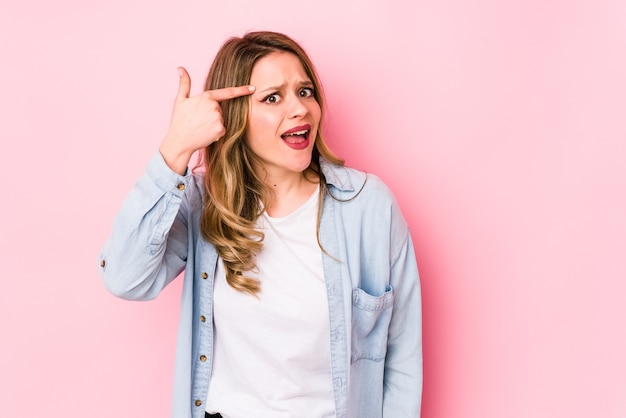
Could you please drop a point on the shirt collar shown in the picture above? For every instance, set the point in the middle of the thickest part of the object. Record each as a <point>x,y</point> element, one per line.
<point>341,177</point>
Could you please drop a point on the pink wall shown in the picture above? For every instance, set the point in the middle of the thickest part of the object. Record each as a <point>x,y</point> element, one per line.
<point>501,127</point>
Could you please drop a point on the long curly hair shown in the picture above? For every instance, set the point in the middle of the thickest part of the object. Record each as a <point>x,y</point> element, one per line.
<point>235,194</point>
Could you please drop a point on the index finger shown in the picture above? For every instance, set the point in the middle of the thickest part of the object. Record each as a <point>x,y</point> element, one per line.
<point>230,92</point>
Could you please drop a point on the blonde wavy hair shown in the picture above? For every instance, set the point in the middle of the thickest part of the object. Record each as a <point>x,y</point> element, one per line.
<point>235,194</point>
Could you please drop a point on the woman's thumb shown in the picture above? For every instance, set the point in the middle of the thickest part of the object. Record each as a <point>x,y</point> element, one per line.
<point>184,86</point>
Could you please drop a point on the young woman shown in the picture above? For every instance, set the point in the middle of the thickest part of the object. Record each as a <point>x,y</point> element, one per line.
<point>301,294</point>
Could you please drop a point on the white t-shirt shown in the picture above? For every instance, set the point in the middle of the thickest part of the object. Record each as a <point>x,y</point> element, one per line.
<point>272,353</point>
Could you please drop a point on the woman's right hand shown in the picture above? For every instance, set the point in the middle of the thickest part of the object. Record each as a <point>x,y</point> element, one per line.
<point>196,121</point>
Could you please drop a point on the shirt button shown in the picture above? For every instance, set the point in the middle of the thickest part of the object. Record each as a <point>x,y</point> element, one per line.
<point>103,263</point>
<point>204,275</point>
<point>203,358</point>
<point>180,186</point>
<point>198,402</point>
<point>202,318</point>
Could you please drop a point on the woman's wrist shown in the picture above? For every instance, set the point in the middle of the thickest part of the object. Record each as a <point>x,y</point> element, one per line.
<point>176,159</point>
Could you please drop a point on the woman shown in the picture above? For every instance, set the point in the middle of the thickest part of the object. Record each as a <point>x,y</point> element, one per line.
<point>301,293</point>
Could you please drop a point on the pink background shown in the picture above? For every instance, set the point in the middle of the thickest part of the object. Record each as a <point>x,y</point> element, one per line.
<point>500,126</point>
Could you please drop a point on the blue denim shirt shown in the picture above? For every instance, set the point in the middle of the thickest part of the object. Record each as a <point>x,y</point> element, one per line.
<point>371,279</point>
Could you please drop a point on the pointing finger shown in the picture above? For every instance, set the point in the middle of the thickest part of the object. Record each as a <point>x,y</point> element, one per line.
<point>230,92</point>
<point>184,84</point>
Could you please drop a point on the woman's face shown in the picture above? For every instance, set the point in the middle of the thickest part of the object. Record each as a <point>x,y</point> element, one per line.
<point>284,116</point>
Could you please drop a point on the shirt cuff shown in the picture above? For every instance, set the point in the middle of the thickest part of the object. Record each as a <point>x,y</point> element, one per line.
<point>166,179</point>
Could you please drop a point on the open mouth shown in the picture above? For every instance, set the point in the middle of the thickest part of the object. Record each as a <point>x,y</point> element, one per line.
<point>296,137</point>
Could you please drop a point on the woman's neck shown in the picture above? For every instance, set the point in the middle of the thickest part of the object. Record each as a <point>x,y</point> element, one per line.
<point>289,192</point>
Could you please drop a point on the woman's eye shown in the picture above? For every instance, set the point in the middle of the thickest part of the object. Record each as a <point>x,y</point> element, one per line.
<point>306,92</point>
<point>272,98</point>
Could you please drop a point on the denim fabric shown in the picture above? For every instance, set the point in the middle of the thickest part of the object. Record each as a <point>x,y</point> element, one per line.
<point>371,279</point>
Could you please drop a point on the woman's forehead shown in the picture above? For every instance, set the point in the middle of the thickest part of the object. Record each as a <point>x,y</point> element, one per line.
<point>279,69</point>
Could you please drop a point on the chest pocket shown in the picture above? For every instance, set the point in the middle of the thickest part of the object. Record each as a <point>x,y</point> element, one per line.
<point>371,316</point>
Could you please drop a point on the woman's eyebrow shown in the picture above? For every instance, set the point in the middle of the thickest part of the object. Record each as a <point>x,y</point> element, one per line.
<point>301,83</point>
<point>272,88</point>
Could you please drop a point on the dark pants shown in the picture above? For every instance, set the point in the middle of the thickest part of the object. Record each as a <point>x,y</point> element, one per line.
<point>207,415</point>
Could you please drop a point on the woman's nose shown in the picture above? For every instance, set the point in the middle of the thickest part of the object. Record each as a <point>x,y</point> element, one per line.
<point>297,107</point>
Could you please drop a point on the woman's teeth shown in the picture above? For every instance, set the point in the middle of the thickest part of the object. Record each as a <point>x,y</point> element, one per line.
<point>296,133</point>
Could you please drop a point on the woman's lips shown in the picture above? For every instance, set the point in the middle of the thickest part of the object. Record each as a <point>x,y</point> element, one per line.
<point>297,137</point>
